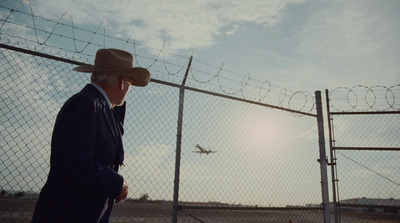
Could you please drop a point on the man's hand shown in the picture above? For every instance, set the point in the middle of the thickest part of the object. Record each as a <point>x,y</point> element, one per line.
<point>123,194</point>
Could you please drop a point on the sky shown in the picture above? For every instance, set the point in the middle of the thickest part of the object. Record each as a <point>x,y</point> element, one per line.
<point>298,45</point>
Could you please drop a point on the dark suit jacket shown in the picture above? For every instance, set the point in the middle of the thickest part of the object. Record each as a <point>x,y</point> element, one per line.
<point>86,151</point>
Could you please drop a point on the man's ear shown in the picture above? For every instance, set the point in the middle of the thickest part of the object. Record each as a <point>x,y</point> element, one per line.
<point>121,82</point>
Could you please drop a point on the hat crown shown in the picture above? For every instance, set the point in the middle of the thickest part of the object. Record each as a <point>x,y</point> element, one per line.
<point>113,59</point>
<point>117,62</point>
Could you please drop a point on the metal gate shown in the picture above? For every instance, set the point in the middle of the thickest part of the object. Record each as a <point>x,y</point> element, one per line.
<point>364,130</point>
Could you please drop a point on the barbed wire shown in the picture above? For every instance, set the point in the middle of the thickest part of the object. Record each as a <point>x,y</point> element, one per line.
<point>246,86</point>
<point>55,26</point>
<point>364,98</point>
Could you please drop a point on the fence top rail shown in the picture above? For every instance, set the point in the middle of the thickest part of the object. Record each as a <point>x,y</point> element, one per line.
<point>368,148</point>
<point>34,53</point>
<point>231,97</point>
<point>158,81</point>
<point>365,113</point>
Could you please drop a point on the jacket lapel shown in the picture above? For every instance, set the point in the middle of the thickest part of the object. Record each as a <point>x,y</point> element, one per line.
<point>116,133</point>
<point>106,110</point>
<point>117,136</point>
<point>111,122</point>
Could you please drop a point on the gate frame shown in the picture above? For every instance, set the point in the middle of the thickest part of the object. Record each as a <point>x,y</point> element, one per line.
<point>333,148</point>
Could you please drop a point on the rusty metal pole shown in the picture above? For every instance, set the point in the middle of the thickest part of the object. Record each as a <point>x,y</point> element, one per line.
<point>323,159</point>
<point>333,159</point>
<point>178,146</point>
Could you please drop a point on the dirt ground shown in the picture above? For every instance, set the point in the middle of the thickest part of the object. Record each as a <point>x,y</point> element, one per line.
<point>20,211</point>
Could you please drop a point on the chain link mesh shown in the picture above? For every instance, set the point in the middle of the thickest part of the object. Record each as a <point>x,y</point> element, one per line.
<point>264,157</point>
<point>264,168</point>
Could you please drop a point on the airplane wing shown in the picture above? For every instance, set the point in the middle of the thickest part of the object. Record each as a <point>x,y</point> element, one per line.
<point>199,147</point>
<point>202,150</point>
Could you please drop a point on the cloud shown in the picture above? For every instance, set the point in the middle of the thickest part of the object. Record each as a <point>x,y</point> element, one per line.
<point>183,24</point>
<point>349,40</point>
<point>321,45</point>
<point>232,30</point>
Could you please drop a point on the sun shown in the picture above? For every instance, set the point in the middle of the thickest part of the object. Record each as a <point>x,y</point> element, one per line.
<point>262,130</point>
<point>264,133</point>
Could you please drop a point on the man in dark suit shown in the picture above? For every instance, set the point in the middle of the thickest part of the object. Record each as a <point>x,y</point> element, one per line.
<point>86,146</point>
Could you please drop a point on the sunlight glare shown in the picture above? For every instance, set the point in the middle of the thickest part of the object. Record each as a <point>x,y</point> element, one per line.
<point>262,131</point>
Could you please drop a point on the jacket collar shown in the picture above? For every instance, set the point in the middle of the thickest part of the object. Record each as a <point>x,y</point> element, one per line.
<point>102,92</point>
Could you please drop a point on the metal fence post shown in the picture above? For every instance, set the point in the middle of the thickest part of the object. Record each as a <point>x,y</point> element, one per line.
<point>178,145</point>
<point>333,160</point>
<point>323,159</point>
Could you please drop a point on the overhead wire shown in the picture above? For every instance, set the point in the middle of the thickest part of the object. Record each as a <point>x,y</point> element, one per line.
<point>369,169</point>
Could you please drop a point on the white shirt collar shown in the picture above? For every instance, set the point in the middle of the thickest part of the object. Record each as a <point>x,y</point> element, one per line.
<point>103,92</point>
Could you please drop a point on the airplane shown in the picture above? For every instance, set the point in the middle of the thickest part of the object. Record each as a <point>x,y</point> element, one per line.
<point>202,150</point>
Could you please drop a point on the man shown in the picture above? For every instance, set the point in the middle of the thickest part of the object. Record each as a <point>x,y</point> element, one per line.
<point>86,146</point>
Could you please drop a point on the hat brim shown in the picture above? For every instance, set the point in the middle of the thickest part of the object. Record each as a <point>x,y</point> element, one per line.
<point>140,76</point>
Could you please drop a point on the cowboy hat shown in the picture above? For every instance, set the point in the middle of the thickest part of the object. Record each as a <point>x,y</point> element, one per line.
<point>116,61</point>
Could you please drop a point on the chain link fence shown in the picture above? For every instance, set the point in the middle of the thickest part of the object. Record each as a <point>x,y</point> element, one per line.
<point>264,166</point>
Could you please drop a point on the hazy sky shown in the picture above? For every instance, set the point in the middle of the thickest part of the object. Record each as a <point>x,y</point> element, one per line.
<point>297,44</point>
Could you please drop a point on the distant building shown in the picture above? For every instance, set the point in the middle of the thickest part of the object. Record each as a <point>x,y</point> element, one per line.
<point>390,205</point>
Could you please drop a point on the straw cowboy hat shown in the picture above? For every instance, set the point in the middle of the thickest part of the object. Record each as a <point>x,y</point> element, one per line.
<point>114,61</point>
